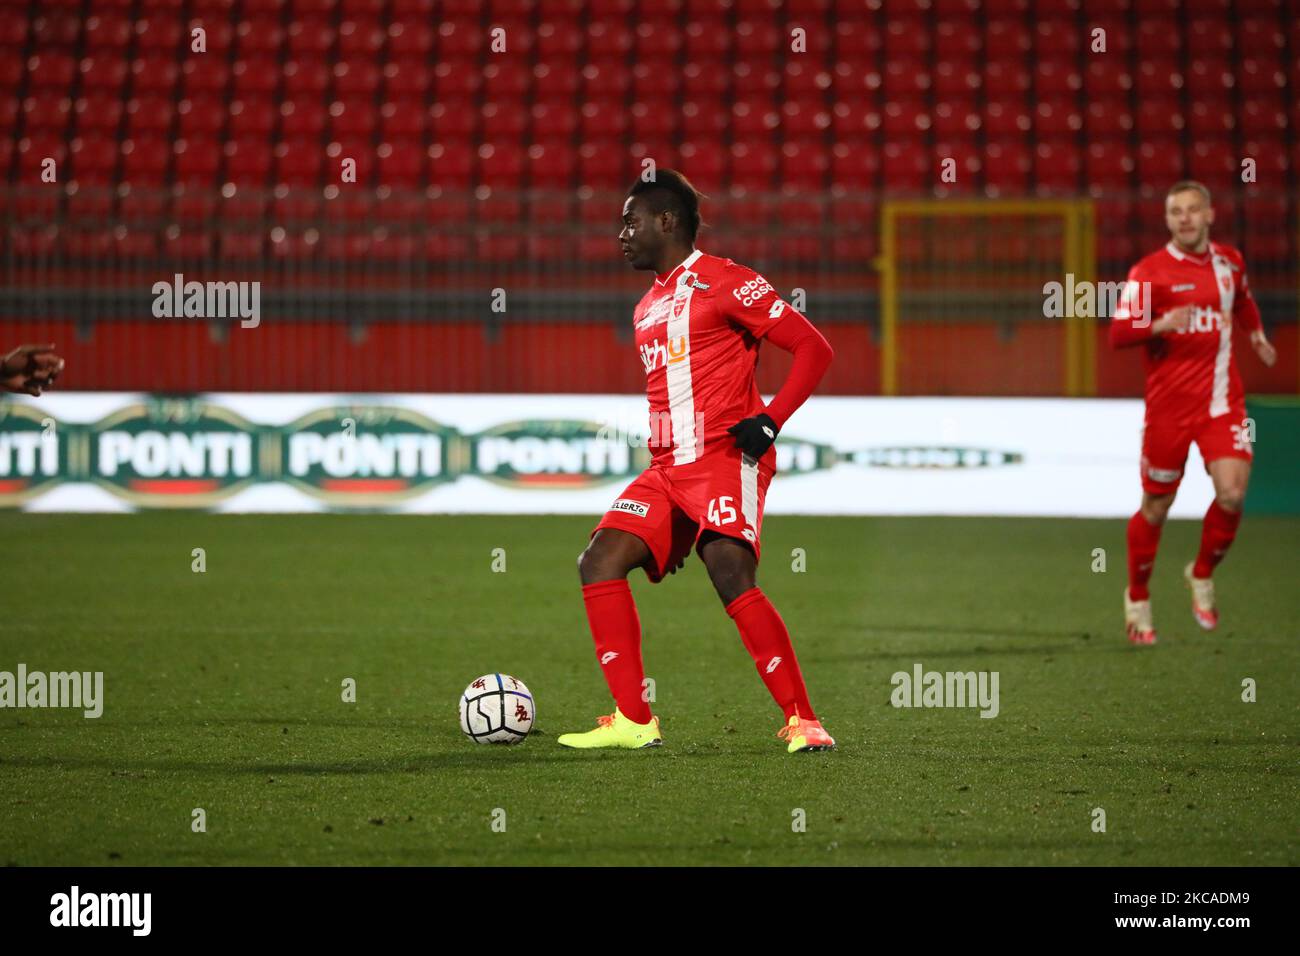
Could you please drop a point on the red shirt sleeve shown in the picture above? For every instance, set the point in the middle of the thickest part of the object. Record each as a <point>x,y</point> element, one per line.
<point>749,300</point>
<point>1245,312</point>
<point>1131,323</point>
<point>812,356</point>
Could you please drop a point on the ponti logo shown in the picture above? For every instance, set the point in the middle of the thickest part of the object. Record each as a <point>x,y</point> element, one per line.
<point>179,452</point>
<point>366,454</point>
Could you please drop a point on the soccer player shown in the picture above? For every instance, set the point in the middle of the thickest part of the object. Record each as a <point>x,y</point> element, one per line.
<point>29,368</point>
<point>1199,292</point>
<point>698,330</point>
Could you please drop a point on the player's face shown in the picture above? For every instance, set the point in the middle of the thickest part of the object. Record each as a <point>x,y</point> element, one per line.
<point>1188,217</point>
<point>641,238</point>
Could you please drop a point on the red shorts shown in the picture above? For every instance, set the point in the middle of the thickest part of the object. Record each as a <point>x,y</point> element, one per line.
<point>670,506</point>
<point>1164,448</point>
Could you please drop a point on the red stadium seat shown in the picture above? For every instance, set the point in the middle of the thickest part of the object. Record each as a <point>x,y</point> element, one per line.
<point>149,115</point>
<point>252,117</point>
<point>750,119</point>
<point>905,117</point>
<point>1007,165</point>
<point>145,160</point>
<point>310,38</point>
<point>259,37</point>
<point>1056,119</point>
<point>451,164</point>
<point>455,121</point>
<point>410,39</point>
<point>52,71</point>
<point>360,38</point>
<point>1212,78</point>
<point>1006,117</point>
<point>107,31</point>
<point>1213,118</point>
<point>302,117</point>
<point>352,117</point>
<point>94,158</point>
<point>355,78</point>
<point>403,119</point>
<point>98,111</point>
<point>955,79</point>
<point>300,77</point>
<point>504,121</point>
<point>299,163</point>
<point>201,116</point>
<point>907,167</point>
<point>248,161</point>
<point>1110,119</point>
<point>197,161</point>
<point>854,168</point>
<point>956,120</point>
<point>1160,118</point>
<point>1056,168</point>
<point>258,77</point>
<point>602,168</point>
<point>451,81</point>
<point>804,165</point>
<point>1160,162</point>
<point>104,72</point>
<point>551,166</point>
<point>401,163</point>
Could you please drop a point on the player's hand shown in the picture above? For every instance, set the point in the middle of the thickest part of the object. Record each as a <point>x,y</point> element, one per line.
<point>1263,347</point>
<point>754,436</point>
<point>30,368</point>
<point>1175,320</point>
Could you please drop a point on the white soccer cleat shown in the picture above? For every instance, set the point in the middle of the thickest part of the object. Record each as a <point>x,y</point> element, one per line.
<point>1203,607</point>
<point>1137,620</point>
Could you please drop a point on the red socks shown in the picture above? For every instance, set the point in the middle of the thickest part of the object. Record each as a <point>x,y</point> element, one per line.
<point>616,628</point>
<point>768,642</point>
<point>1217,532</point>
<point>1143,540</point>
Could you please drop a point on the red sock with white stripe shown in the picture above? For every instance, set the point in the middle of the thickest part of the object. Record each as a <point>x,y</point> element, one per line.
<point>1217,534</point>
<point>616,629</point>
<point>1143,541</point>
<point>768,642</point>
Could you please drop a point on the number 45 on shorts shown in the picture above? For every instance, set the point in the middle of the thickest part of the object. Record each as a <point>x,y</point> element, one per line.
<point>722,512</point>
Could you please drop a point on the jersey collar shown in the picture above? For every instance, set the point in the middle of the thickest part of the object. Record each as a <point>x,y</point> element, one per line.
<point>686,263</point>
<point>1172,248</point>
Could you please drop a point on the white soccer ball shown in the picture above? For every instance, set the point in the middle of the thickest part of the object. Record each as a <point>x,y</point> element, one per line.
<point>497,709</point>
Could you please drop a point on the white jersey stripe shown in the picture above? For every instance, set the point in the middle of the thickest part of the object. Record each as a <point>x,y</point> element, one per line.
<point>1222,358</point>
<point>681,390</point>
<point>749,491</point>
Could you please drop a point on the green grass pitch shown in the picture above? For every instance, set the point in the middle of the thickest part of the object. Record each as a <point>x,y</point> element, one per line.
<point>223,692</point>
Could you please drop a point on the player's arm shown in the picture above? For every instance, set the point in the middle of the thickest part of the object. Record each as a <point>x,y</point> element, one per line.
<point>752,303</point>
<point>1132,323</point>
<point>29,368</point>
<point>1245,313</point>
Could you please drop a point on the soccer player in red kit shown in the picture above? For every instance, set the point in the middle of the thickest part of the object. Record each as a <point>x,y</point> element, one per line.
<point>1199,292</point>
<point>698,330</point>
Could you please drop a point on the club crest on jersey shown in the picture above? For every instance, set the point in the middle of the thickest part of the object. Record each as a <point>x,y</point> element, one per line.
<point>1225,281</point>
<point>679,303</point>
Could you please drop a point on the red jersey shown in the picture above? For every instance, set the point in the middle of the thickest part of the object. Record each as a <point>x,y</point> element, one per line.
<point>1191,374</point>
<point>698,330</point>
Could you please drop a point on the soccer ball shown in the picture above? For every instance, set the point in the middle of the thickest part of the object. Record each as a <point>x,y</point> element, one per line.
<point>497,709</point>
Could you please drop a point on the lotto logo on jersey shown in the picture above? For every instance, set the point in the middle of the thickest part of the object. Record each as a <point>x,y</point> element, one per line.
<point>752,291</point>
<point>1204,320</point>
<point>655,354</point>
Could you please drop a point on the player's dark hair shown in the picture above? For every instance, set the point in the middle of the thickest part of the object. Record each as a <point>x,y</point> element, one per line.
<point>670,191</point>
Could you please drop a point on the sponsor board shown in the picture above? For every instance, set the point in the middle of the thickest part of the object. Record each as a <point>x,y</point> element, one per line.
<point>521,454</point>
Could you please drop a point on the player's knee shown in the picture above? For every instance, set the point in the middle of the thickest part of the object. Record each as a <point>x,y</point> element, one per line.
<point>731,577</point>
<point>1232,498</point>
<point>593,565</point>
<point>1155,508</point>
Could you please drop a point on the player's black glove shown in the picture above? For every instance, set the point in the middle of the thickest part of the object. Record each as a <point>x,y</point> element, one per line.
<point>754,436</point>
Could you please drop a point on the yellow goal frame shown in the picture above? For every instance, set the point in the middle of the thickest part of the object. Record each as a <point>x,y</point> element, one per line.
<point>1080,258</point>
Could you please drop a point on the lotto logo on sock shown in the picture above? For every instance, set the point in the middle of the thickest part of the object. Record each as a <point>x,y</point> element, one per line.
<point>608,656</point>
<point>773,664</point>
<point>638,508</point>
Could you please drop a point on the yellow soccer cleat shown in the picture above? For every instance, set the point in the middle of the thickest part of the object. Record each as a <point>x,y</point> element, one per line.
<point>615,730</point>
<point>805,735</point>
<point>1203,606</point>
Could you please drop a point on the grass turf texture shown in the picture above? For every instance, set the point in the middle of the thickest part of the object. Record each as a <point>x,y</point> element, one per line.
<point>223,691</point>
